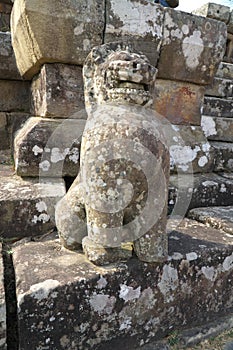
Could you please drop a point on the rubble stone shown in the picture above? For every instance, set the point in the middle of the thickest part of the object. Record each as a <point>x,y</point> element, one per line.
<point>223,156</point>
<point>179,102</point>
<point>48,147</point>
<point>225,71</point>
<point>57,91</point>
<point>218,107</point>
<point>221,129</point>
<point>82,29</point>
<point>8,68</point>
<point>27,206</point>
<point>121,305</point>
<point>215,11</point>
<point>137,22</point>
<point>217,217</point>
<point>14,96</point>
<point>3,345</point>
<point>192,47</point>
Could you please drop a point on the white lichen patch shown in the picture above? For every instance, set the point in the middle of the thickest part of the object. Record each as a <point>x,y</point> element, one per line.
<point>45,165</point>
<point>58,155</point>
<point>169,283</point>
<point>102,283</point>
<point>208,126</point>
<point>183,156</point>
<point>209,273</point>
<point>202,161</point>
<point>128,293</point>
<point>37,150</point>
<point>41,206</point>
<point>192,47</point>
<point>102,303</point>
<point>191,256</point>
<point>43,217</point>
<point>228,263</point>
<point>42,290</point>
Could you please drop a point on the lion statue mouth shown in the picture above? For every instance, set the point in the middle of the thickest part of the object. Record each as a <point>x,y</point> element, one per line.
<point>122,76</point>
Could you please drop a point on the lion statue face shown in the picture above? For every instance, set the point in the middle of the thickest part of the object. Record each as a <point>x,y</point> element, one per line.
<point>114,73</point>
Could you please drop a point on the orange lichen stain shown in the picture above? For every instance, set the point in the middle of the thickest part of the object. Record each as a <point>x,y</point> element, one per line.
<point>186,91</point>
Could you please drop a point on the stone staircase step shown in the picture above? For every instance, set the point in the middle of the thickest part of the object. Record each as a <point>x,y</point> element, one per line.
<point>218,107</point>
<point>27,206</point>
<point>217,217</point>
<point>220,88</point>
<point>133,302</point>
<point>199,190</point>
<point>223,156</point>
<point>219,129</point>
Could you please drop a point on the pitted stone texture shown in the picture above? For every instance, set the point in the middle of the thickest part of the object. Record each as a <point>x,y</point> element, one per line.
<point>215,11</point>
<point>125,305</point>
<point>27,206</point>
<point>220,88</point>
<point>190,151</point>
<point>48,147</point>
<point>220,129</point>
<point>3,345</point>
<point>179,102</point>
<point>207,190</point>
<point>217,217</point>
<point>223,156</point>
<point>136,22</point>
<point>57,91</point>
<point>82,26</point>
<point>225,71</point>
<point>14,96</point>
<point>8,68</point>
<point>218,107</point>
<point>192,47</point>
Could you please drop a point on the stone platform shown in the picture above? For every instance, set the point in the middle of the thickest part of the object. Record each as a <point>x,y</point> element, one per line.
<point>65,302</point>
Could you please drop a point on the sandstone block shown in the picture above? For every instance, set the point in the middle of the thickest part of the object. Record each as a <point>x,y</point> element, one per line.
<point>220,88</point>
<point>218,107</point>
<point>225,71</point>
<point>8,68</point>
<point>3,345</point>
<point>217,217</point>
<point>14,96</point>
<point>4,139</point>
<point>179,102</point>
<point>36,26</point>
<point>27,206</point>
<point>230,23</point>
<point>223,156</point>
<point>126,305</point>
<point>137,22</point>
<point>215,11</point>
<point>219,129</point>
<point>190,152</point>
<point>200,190</point>
<point>4,22</point>
<point>48,147</point>
<point>192,47</point>
<point>57,91</point>
<point>15,121</point>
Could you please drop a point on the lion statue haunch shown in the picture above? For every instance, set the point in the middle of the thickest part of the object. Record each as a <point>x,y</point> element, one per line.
<point>119,198</point>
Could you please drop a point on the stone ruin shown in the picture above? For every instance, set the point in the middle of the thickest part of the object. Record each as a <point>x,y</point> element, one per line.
<point>55,298</point>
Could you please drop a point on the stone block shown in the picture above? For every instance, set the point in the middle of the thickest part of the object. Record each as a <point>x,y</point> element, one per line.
<point>199,190</point>
<point>121,306</point>
<point>14,96</point>
<point>225,71</point>
<point>48,147</point>
<point>4,22</point>
<point>192,47</point>
<point>220,88</point>
<point>137,22</point>
<point>218,129</point>
<point>57,91</point>
<point>215,11</point>
<point>179,102</point>
<point>218,107</point>
<point>4,139</point>
<point>37,36</point>
<point>229,49</point>
<point>230,23</point>
<point>8,68</point>
<point>190,152</point>
<point>15,121</point>
<point>27,206</point>
<point>3,345</point>
<point>217,217</point>
<point>223,156</point>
